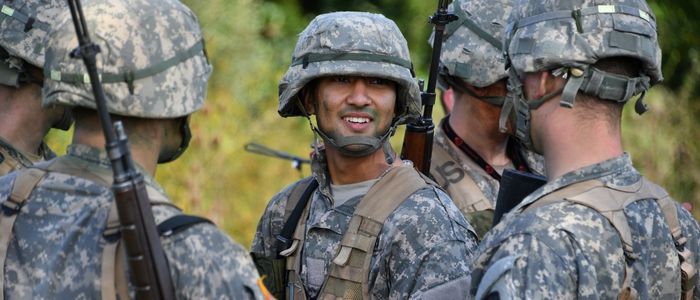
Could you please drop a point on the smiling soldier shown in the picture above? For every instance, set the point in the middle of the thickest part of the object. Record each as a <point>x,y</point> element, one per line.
<point>365,225</point>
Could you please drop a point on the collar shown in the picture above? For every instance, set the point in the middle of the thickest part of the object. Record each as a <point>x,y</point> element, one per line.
<point>617,170</point>
<point>98,157</point>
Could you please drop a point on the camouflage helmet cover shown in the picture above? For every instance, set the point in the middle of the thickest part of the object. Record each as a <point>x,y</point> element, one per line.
<point>472,48</point>
<point>350,43</point>
<point>546,35</point>
<point>25,24</point>
<point>152,62</point>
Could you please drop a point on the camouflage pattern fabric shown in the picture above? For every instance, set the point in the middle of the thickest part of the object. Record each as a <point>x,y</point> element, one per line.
<point>24,38</point>
<point>12,159</point>
<point>135,37</point>
<point>460,168</point>
<point>57,243</point>
<point>466,54</point>
<point>566,42</point>
<point>422,250</point>
<point>568,251</point>
<point>350,43</point>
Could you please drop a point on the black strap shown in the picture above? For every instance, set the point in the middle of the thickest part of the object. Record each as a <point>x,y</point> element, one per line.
<point>178,223</point>
<point>512,151</point>
<point>284,239</point>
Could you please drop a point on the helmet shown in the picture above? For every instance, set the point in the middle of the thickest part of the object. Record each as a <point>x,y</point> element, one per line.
<point>152,61</point>
<point>576,34</point>
<point>351,43</point>
<point>568,37</point>
<point>24,26</point>
<point>472,48</point>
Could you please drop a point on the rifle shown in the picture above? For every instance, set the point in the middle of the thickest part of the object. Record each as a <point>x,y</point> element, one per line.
<point>418,140</point>
<point>297,162</point>
<point>150,275</point>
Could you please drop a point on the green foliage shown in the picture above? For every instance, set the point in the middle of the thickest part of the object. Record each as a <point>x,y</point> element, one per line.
<point>250,44</point>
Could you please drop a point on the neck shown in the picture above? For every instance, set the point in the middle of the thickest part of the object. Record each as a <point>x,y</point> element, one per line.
<point>22,121</point>
<point>476,123</point>
<point>570,144</point>
<point>144,149</point>
<point>346,169</point>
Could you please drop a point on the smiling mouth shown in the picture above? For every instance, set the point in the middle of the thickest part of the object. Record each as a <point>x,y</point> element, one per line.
<point>356,120</point>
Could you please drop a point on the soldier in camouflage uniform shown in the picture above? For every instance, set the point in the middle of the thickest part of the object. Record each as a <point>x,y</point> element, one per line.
<point>23,123</point>
<point>597,229</point>
<point>469,151</point>
<point>372,226</point>
<point>65,243</point>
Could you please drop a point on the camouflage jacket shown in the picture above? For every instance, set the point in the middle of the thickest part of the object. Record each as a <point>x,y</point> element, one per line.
<point>12,159</point>
<point>422,249</point>
<point>455,172</point>
<point>567,250</point>
<point>57,243</point>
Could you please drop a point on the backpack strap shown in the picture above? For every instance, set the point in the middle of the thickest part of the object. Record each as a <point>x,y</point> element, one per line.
<point>25,182</point>
<point>348,277</point>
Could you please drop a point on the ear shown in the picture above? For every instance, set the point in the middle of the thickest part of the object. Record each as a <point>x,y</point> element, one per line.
<point>308,101</point>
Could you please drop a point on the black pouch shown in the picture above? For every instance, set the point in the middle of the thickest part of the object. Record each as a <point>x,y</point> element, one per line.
<point>273,272</point>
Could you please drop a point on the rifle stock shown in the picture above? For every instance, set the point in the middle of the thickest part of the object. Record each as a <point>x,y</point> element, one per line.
<point>150,275</point>
<point>418,140</point>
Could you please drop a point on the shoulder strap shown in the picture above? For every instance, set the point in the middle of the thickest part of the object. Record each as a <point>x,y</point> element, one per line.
<point>179,223</point>
<point>449,175</point>
<point>298,200</point>
<point>348,275</point>
<point>25,182</point>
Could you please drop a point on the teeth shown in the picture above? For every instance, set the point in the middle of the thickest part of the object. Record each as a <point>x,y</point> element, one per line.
<point>357,120</point>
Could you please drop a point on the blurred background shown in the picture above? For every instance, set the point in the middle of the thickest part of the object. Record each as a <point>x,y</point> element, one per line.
<point>250,45</point>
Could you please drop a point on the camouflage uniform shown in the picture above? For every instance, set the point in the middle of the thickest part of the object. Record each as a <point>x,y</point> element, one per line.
<point>153,65</point>
<point>559,243</point>
<point>422,250</point>
<point>570,251</point>
<point>58,241</point>
<point>452,175</point>
<point>22,44</point>
<point>423,245</point>
<point>472,54</point>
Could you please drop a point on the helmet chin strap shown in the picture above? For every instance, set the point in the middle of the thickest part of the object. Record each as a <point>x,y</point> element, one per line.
<point>521,106</point>
<point>359,146</point>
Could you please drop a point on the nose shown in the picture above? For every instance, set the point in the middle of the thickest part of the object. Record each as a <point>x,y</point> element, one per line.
<point>359,93</point>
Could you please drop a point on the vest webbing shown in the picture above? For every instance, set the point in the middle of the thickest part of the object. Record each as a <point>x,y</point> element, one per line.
<point>348,276</point>
<point>113,275</point>
<point>465,193</point>
<point>610,201</point>
<point>8,163</point>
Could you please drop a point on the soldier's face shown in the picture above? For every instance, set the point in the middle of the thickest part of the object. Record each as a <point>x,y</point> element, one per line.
<point>353,105</point>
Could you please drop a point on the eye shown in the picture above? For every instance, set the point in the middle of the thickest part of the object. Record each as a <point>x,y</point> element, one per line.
<point>380,81</point>
<point>341,79</point>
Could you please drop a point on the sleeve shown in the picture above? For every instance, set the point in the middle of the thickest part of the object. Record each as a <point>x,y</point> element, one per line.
<point>206,264</point>
<point>524,267</point>
<point>427,246</point>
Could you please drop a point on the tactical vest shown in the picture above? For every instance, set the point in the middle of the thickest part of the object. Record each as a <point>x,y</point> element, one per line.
<point>610,201</point>
<point>348,275</point>
<point>446,168</point>
<point>113,275</point>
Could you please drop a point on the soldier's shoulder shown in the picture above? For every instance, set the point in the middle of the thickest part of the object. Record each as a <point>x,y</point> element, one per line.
<point>204,255</point>
<point>549,222</point>
<point>430,210</point>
